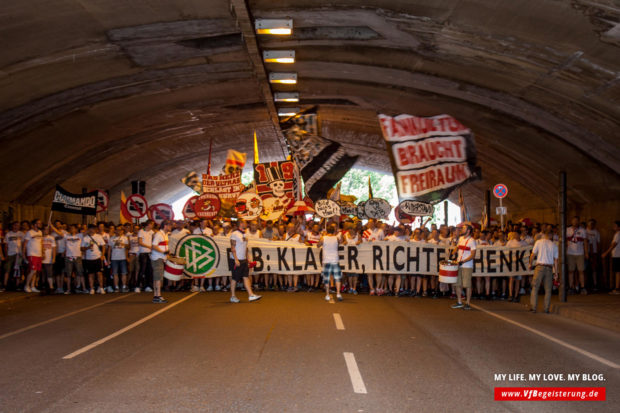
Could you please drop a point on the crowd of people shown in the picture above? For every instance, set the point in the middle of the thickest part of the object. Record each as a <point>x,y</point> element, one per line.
<point>107,258</point>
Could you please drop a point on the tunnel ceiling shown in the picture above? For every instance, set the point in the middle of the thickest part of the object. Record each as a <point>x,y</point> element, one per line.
<point>96,93</point>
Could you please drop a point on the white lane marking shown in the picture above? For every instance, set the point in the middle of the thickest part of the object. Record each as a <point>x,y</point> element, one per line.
<point>338,321</point>
<point>60,317</point>
<point>125,329</point>
<point>551,338</point>
<point>354,373</point>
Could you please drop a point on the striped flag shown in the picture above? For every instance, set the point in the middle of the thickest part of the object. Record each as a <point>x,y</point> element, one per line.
<point>192,181</point>
<point>235,161</point>
<point>123,219</point>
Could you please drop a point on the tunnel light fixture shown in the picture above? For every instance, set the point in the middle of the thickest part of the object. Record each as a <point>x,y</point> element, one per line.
<point>274,26</point>
<point>288,78</point>
<point>279,56</point>
<point>286,97</point>
<point>285,112</point>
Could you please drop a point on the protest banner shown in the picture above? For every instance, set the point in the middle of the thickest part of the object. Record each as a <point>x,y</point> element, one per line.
<point>65,201</point>
<point>226,187</point>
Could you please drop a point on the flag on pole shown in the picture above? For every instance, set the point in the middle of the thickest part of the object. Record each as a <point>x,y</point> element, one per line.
<point>256,161</point>
<point>335,195</point>
<point>192,181</point>
<point>235,161</point>
<point>369,189</point>
<point>464,216</point>
<point>122,219</point>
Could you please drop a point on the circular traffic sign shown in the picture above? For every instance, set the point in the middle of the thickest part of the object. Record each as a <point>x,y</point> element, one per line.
<point>201,255</point>
<point>135,206</point>
<point>188,208</point>
<point>500,191</point>
<point>207,206</point>
<point>103,200</point>
<point>160,213</point>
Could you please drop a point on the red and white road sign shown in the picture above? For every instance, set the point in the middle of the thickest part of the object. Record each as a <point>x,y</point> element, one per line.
<point>136,206</point>
<point>160,213</point>
<point>103,200</point>
<point>188,208</point>
<point>500,191</point>
<point>207,206</point>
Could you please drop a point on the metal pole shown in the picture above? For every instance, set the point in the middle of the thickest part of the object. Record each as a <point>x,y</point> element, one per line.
<point>501,215</point>
<point>445,212</point>
<point>84,190</point>
<point>562,207</point>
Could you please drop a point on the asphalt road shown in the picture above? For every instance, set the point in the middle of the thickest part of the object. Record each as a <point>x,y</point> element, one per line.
<point>286,354</point>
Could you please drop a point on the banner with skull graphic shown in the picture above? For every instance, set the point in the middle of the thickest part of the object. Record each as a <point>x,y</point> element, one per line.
<point>275,185</point>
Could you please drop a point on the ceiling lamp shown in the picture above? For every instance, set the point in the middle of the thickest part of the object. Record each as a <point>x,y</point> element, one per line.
<point>289,78</point>
<point>273,26</point>
<point>288,112</point>
<point>279,56</point>
<point>286,97</point>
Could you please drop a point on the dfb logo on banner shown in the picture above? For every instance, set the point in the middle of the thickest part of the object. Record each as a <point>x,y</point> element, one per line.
<point>201,254</point>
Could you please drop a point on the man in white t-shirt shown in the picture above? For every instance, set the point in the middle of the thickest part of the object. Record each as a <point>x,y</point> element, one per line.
<point>331,262</point>
<point>159,253</point>
<point>371,234</point>
<point>12,252</point>
<point>546,253</point>
<point>594,251</point>
<point>203,229</point>
<point>48,259</point>
<point>145,274</point>
<point>239,264</point>
<point>466,252</point>
<point>94,249</point>
<point>133,264</point>
<point>576,254</point>
<point>73,260</point>
<point>117,257</point>
<point>614,249</point>
<point>59,263</point>
<point>33,250</point>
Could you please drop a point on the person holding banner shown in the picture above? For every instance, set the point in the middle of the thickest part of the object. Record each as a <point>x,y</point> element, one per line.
<point>466,251</point>
<point>33,251</point>
<point>546,253</point>
<point>371,234</point>
<point>239,264</point>
<point>159,251</point>
<point>94,248</point>
<point>331,265</point>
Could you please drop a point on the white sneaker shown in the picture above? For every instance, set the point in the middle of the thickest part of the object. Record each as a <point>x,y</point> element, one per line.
<point>35,290</point>
<point>339,297</point>
<point>202,289</point>
<point>255,297</point>
<point>218,288</point>
<point>210,288</point>
<point>234,300</point>
<point>27,290</point>
<point>92,291</point>
<point>148,290</point>
<point>101,291</point>
<point>136,290</point>
<point>109,289</point>
<point>327,297</point>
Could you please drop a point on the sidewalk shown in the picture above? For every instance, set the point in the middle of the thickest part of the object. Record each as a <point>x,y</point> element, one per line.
<point>600,309</point>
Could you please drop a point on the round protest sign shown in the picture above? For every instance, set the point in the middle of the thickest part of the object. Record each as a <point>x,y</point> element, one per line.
<point>207,206</point>
<point>201,255</point>
<point>326,208</point>
<point>361,214</point>
<point>135,207</point>
<point>377,208</point>
<point>248,206</point>
<point>273,208</point>
<point>402,217</point>
<point>347,208</point>
<point>103,200</point>
<point>160,213</point>
<point>188,208</point>
<point>417,208</point>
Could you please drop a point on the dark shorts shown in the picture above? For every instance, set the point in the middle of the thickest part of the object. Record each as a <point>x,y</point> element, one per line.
<point>73,265</point>
<point>9,264</point>
<point>240,272</point>
<point>59,265</point>
<point>615,264</point>
<point>119,267</point>
<point>48,270</point>
<point>92,266</point>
